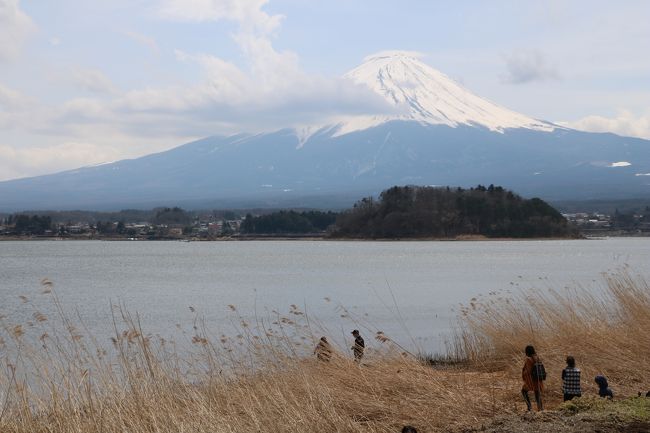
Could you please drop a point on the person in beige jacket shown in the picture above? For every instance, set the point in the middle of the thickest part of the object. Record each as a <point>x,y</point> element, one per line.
<point>323,350</point>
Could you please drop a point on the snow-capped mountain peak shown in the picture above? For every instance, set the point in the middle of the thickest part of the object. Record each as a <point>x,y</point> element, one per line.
<point>426,95</point>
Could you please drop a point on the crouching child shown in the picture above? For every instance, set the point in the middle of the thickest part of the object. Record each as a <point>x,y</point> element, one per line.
<point>603,387</point>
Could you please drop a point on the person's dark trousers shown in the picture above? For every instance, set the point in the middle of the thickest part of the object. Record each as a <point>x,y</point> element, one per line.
<point>568,397</point>
<point>538,400</point>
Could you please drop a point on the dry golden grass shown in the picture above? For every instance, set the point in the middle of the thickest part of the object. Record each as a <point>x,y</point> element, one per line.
<point>53,379</point>
<point>606,332</point>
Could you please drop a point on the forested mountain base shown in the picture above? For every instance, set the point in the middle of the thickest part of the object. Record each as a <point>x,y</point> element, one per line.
<point>288,222</point>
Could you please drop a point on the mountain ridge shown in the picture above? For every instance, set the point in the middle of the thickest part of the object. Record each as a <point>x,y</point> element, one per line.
<point>443,135</point>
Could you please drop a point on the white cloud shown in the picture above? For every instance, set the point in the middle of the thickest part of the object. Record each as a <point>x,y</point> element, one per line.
<point>15,162</point>
<point>144,40</point>
<point>79,145</point>
<point>15,27</point>
<point>90,130</point>
<point>92,80</point>
<point>277,95</point>
<point>525,66</point>
<point>624,123</point>
<point>248,13</point>
<point>224,80</point>
<point>271,71</point>
<point>11,99</point>
<point>273,88</point>
<point>270,92</point>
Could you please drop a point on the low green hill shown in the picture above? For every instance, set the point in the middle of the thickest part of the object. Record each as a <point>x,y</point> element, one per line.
<point>423,211</point>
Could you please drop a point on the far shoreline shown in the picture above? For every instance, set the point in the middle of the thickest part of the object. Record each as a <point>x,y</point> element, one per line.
<point>312,238</point>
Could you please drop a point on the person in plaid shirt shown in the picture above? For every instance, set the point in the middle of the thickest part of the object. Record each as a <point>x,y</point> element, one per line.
<point>571,379</point>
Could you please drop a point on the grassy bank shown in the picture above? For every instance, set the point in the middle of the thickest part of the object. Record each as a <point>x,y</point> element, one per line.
<point>55,378</point>
<point>605,331</point>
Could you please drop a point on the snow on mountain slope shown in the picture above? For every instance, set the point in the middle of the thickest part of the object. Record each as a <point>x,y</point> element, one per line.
<point>429,96</point>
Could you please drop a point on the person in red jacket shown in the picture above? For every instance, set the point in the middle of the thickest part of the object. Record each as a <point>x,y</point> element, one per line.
<point>531,384</point>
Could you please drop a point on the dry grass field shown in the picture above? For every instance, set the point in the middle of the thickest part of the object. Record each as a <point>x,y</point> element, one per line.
<point>56,378</point>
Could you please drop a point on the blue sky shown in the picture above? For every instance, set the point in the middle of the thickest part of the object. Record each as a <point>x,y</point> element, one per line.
<point>85,82</point>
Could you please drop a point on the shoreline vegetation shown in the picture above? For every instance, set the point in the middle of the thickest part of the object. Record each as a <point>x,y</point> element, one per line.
<point>399,213</point>
<point>56,378</point>
<point>313,237</point>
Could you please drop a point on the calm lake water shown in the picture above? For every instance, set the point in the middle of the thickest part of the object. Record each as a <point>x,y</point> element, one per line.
<point>406,289</point>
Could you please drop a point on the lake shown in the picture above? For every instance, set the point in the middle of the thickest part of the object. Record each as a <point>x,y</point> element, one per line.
<point>406,289</point>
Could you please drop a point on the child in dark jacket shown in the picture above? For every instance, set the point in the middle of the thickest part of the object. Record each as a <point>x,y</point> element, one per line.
<point>603,387</point>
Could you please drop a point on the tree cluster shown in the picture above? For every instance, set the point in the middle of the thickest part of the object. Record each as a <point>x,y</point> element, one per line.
<point>630,220</point>
<point>107,228</point>
<point>418,211</point>
<point>288,222</point>
<point>173,215</point>
<point>34,225</point>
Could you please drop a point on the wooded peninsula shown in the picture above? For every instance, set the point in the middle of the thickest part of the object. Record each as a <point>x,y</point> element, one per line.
<point>424,212</point>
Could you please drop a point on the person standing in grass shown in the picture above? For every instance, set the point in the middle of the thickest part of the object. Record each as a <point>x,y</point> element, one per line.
<point>533,375</point>
<point>359,346</point>
<point>571,379</point>
<point>323,350</point>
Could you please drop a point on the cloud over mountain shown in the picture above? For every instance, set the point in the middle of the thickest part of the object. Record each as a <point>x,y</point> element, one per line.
<point>624,123</point>
<point>525,66</point>
<point>269,89</point>
<point>15,27</point>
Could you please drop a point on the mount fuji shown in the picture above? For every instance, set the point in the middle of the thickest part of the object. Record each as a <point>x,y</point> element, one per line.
<point>428,96</point>
<point>440,134</point>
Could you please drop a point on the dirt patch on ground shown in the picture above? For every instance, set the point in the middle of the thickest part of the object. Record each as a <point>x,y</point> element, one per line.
<point>553,422</point>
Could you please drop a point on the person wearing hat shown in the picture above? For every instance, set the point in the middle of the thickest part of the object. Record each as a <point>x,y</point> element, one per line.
<point>359,346</point>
